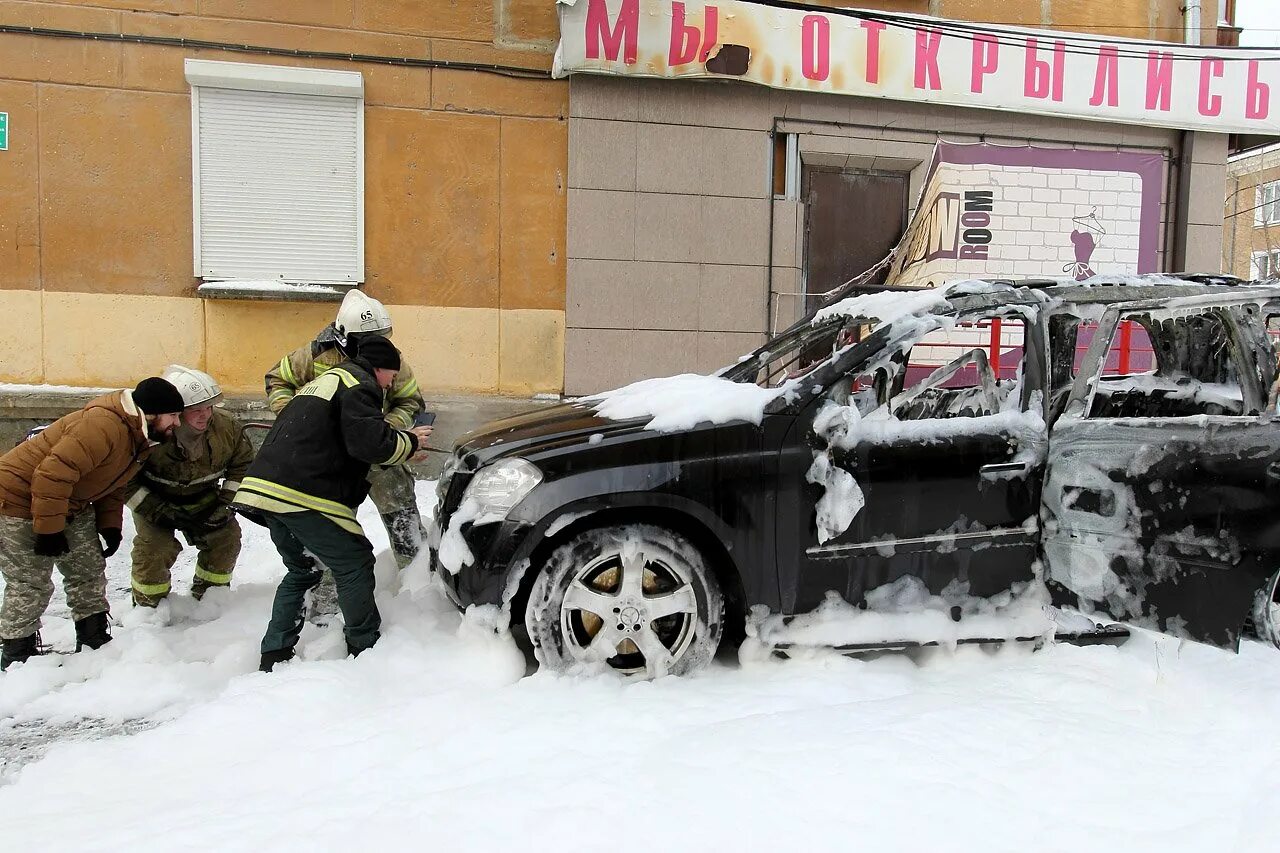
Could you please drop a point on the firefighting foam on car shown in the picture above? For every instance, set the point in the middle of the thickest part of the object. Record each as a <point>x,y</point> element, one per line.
<point>949,465</point>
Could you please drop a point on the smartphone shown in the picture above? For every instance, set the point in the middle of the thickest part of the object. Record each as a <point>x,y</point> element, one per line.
<point>424,419</point>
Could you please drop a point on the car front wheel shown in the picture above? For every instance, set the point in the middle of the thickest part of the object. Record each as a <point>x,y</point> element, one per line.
<point>636,597</point>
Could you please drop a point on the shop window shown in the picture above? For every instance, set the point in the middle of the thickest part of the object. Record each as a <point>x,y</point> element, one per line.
<point>1267,211</point>
<point>278,179</point>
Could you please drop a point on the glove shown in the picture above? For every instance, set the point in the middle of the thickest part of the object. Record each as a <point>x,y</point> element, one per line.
<point>112,536</point>
<point>51,544</point>
<point>219,518</point>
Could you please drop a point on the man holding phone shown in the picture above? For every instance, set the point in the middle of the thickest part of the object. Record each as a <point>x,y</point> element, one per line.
<point>361,318</point>
<point>306,483</point>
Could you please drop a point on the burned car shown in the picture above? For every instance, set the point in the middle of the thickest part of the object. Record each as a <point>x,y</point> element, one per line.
<point>897,469</point>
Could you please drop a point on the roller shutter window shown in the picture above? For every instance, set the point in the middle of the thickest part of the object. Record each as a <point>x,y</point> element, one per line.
<point>278,174</point>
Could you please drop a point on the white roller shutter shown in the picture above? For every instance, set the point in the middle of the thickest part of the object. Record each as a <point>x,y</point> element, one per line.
<point>279,181</point>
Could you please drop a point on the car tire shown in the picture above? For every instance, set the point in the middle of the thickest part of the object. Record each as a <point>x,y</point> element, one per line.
<point>662,611</point>
<point>1266,612</point>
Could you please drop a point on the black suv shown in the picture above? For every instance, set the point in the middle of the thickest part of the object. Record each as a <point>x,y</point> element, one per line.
<point>894,470</point>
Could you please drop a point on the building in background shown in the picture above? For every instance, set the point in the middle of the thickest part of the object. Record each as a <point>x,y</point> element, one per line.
<point>1251,214</point>
<point>704,213</point>
<point>194,181</point>
<point>162,202</point>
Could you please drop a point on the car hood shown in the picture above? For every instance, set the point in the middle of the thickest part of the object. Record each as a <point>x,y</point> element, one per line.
<point>538,431</point>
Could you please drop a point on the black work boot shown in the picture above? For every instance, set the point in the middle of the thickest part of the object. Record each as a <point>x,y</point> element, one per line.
<point>270,659</point>
<point>19,650</point>
<point>355,652</point>
<point>93,631</point>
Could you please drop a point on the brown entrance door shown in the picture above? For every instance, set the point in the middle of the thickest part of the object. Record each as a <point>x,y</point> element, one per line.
<point>853,220</point>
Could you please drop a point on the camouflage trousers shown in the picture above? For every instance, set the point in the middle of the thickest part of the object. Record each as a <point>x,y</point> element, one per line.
<point>156,548</point>
<point>391,490</point>
<point>28,578</point>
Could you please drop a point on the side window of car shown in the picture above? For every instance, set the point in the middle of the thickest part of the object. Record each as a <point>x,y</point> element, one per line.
<point>1178,365</point>
<point>1129,354</point>
<point>969,370</point>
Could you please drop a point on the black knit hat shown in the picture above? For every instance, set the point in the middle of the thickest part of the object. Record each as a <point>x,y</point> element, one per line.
<point>156,396</point>
<point>379,352</point>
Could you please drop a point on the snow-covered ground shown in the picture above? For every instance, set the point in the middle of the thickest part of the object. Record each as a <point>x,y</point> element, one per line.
<point>168,739</point>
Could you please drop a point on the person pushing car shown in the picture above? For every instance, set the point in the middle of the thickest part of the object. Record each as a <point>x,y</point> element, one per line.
<point>60,492</point>
<point>309,477</point>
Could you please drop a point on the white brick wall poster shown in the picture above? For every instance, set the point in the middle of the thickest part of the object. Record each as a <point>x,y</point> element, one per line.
<point>1026,212</point>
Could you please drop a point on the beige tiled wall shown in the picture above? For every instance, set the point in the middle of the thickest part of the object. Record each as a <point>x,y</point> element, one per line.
<point>670,208</point>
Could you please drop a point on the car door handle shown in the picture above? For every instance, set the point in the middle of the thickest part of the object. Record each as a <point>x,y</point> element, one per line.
<point>1004,468</point>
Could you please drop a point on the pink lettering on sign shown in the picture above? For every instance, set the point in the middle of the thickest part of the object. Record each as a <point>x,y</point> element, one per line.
<point>620,38</point>
<point>986,58</point>
<point>927,43</point>
<point>1257,101</point>
<point>1159,80</point>
<point>873,28</point>
<point>1041,80</point>
<point>686,39</point>
<point>815,47</point>
<point>1208,103</point>
<point>1106,80</point>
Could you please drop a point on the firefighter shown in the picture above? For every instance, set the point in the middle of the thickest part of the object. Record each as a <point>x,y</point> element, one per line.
<point>62,496</point>
<point>309,477</point>
<point>390,486</point>
<point>186,487</point>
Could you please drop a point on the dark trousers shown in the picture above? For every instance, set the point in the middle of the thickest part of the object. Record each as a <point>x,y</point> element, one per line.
<point>297,536</point>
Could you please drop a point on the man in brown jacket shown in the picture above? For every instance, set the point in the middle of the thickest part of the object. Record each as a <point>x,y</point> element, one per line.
<point>48,485</point>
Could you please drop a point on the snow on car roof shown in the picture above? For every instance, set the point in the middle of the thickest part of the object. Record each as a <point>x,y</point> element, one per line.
<point>887,306</point>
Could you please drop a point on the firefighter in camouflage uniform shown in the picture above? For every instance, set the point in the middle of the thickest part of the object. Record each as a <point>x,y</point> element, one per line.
<point>390,486</point>
<point>186,486</point>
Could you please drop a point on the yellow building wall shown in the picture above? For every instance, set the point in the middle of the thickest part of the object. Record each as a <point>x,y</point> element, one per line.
<point>465,177</point>
<point>465,183</point>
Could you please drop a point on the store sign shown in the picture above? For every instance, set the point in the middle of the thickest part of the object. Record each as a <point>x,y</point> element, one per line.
<point>4,131</point>
<point>1025,212</point>
<point>930,60</point>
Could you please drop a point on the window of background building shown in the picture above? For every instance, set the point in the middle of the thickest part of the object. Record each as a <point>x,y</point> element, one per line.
<point>277,178</point>
<point>1266,264</point>
<point>1268,204</point>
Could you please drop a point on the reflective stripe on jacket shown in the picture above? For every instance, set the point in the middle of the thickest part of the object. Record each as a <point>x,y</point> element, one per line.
<point>400,404</point>
<point>319,450</point>
<point>170,477</point>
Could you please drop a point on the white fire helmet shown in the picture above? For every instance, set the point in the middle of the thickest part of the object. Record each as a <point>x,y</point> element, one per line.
<point>361,313</point>
<point>196,387</point>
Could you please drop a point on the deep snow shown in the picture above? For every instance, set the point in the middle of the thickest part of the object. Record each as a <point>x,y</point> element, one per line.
<point>433,740</point>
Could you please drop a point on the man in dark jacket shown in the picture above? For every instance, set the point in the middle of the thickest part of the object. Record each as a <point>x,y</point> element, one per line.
<point>306,483</point>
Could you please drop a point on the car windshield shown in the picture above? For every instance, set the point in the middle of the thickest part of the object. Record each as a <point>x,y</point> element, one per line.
<point>799,352</point>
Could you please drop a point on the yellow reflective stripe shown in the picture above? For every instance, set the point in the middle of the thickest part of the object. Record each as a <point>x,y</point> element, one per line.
<point>404,447</point>
<point>323,387</point>
<point>286,371</point>
<point>321,368</point>
<point>347,379</point>
<point>212,577</point>
<point>280,394</point>
<point>150,588</point>
<point>407,390</point>
<point>399,418</point>
<point>302,499</point>
<point>138,497</point>
<point>250,499</point>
